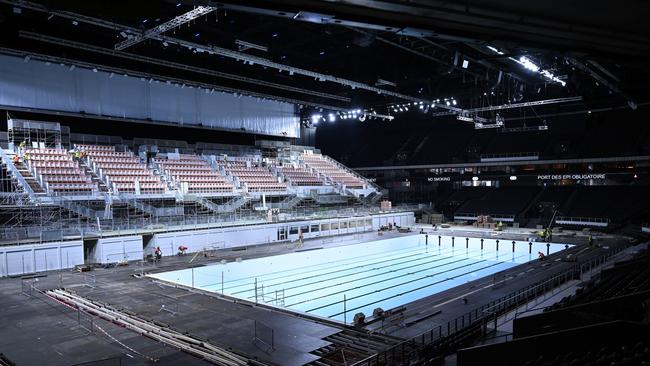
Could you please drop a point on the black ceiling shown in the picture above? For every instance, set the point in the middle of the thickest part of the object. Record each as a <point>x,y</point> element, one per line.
<point>599,48</point>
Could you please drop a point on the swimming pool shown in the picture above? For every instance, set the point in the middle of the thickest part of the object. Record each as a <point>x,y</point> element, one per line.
<point>339,282</point>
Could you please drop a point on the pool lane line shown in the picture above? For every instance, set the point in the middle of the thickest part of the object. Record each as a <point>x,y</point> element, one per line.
<point>347,260</point>
<point>422,256</point>
<point>359,278</point>
<point>403,293</point>
<point>396,256</point>
<point>387,279</point>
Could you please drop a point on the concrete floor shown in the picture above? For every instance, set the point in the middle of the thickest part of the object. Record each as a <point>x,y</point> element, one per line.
<point>35,329</point>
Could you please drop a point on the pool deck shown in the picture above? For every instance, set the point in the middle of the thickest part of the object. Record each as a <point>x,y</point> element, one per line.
<point>35,328</point>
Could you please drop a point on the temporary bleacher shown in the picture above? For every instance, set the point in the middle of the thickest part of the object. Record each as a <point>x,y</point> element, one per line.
<point>299,176</point>
<point>59,173</point>
<point>195,173</point>
<point>252,175</point>
<point>335,172</point>
<point>122,170</point>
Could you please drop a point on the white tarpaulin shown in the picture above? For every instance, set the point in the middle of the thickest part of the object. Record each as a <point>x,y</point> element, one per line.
<point>35,84</point>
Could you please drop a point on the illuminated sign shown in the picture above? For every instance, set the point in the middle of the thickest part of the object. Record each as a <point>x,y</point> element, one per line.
<point>570,176</point>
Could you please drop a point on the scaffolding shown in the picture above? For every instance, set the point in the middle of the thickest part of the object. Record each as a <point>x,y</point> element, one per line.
<point>29,213</point>
<point>36,133</point>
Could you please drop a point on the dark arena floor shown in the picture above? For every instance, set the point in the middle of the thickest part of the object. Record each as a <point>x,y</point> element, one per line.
<point>324,183</point>
<point>37,326</point>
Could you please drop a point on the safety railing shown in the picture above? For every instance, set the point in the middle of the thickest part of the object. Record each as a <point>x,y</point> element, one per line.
<point>474,323</point>
<point>16,174</point>
<point>474,216</point>
<point>582,221</point>
<point>510,156</point>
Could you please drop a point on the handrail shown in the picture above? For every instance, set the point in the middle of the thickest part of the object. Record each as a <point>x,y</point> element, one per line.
<point>481,315</point>
<point>582,219</point>
<point>510,155</point>
<point>19,177</point>
<point>474,214</point>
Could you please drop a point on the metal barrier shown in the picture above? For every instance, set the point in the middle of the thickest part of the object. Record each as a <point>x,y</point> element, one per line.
<point>475,321</point>
<point>16,174</point>
<point>582,221</point>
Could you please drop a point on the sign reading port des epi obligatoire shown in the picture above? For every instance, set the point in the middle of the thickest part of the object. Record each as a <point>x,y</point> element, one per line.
<point>570,176</point>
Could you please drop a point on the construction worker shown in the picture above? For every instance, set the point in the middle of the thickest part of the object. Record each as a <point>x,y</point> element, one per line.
<point>22,144</point>
<point>16,159</point>
<point>26,157</point>
<point>300,239</point>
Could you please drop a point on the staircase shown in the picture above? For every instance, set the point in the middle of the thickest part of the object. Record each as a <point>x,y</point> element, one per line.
<point>93,176</point>
<point>80,210</point>
<point>348,347</point>
<point>230,206</point>
<point>156,211</point>
<point>29,178</point>
<point>290,202</point>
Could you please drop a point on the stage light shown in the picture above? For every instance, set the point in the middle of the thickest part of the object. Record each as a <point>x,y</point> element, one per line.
<point>465,64</point>
<point>527,63</point>
<point>495,50</point>
<point>447,102</point>
<point>74,22</point>
<point>475,178</point>
<point>315,118</point>
<point>454,102</point>
<point>331,117</point>
<point>513,177</point>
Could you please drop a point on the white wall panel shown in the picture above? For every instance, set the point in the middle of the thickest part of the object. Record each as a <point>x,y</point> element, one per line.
<point>30,258</point>
<point>118,249</point>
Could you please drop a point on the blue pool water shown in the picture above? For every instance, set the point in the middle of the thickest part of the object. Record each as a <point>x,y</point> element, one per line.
<point>384,273</point>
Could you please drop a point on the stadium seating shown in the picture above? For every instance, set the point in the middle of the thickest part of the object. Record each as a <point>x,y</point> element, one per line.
<point>60,174</point>
<point>338,175</point>
<point>123,170</point>
<point>195,173</point>
<point>298,176</point>
<point>252,175</point>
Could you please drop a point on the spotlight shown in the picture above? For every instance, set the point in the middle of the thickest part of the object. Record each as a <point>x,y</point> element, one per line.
<point>454,102</point>
<point>315,118</point>
<point>331,117</point>
<point>513,177</point>
<point>74,22</point>
<point>527,63</point>
<point>474,178</point>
